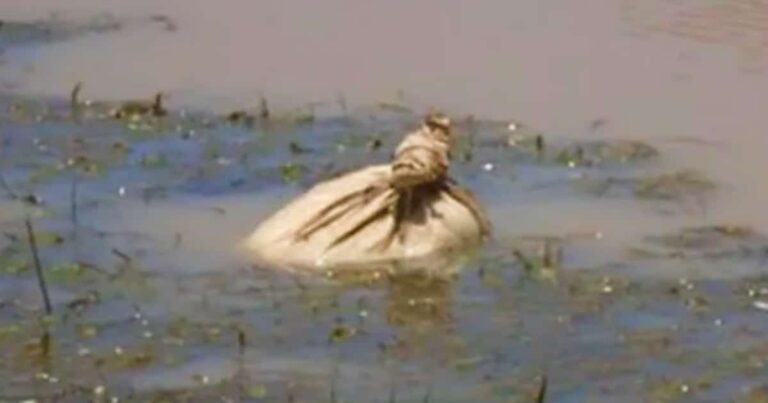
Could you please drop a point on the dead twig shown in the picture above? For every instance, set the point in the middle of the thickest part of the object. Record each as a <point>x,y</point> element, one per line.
<point>540,147</point>
<point>125,258</point>
<point>38,267</point>
<point>541,395</point>
<point>73,202</point>
<point>74,101</point>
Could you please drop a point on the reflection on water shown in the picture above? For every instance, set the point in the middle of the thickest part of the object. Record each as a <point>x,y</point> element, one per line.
<point>417,300</point>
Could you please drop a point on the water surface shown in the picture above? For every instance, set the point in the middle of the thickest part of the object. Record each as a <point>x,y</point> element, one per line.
<point>642,276</point>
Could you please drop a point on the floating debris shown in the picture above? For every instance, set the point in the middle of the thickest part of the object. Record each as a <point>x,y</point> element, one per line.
<point>374,144</point>
<point>341,332</point>
<point>136,109</point>
<point>241,117</point>
<point>761,305</point>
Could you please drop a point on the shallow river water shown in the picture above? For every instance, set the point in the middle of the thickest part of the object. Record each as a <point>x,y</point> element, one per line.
<point>629,254</point>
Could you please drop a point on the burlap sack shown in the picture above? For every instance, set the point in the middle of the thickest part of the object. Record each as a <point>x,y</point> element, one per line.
<point>406,210</point>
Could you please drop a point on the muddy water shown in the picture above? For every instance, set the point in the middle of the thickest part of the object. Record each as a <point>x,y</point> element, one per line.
<point>153,302</point>
<point>663,69</point>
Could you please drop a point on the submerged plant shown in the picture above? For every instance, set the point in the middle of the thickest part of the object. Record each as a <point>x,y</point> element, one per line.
<point>241,117</point>
<point>717,241</point>
<point>679,186</point>
<point>674,186</point>
<point>291,172</point>
<point>137,109</point>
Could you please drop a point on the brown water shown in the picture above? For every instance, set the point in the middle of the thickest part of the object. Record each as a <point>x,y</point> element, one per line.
<point>662,70</point>
<point>686,76</point>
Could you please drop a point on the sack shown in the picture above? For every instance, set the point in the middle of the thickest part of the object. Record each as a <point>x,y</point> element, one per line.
<point>407,210</point>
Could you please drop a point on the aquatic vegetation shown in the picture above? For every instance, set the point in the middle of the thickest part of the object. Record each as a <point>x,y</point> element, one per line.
<point>538,253</point>
<point>136,316</point>
<point>157,160</point>
<point>341,332</point>
<point>41,276</point>
<point>65,272</point>
<point>16,32</point>
<point>593,153</point>
<point>291,172</point>
<point>572,154</point>
<point>13,264</point>
<point>524,137</point>
<point>679,186</point>
<point>674,186</point>
<point>241,117</point>
<point>44,172</point>
<point>393,106</point>
<point>134,110</point>
<point>249,119</point>
<point>709,242</point>
<point>56,28</point>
